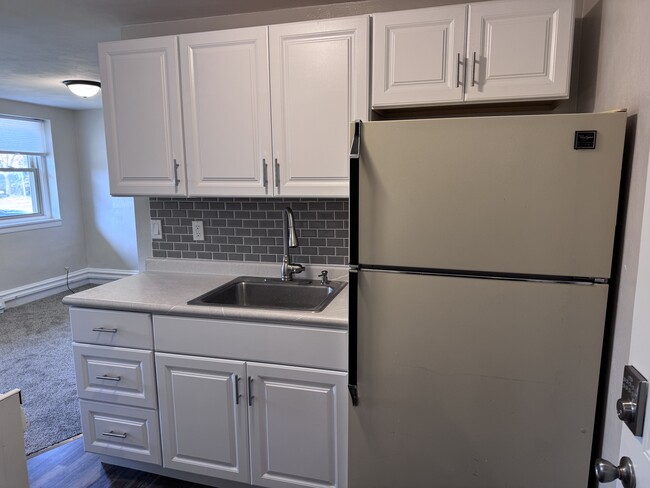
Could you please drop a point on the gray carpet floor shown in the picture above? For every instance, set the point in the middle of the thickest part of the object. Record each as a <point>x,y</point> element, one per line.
<point>36,356</point>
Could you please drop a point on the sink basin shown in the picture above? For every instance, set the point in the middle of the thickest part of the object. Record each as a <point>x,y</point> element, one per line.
<point>249,291</point>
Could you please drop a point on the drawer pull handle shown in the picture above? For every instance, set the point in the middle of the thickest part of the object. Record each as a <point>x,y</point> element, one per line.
<point>113,434</point>
<point>109,378</point>
<point>104,329</point>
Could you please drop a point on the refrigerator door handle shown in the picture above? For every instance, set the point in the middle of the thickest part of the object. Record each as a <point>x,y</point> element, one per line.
<point>355,151</point>
<point>353,336</point>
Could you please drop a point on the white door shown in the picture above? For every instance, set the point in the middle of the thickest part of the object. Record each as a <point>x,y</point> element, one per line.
<point>13,464</point>
<point>418,56</point>
<point>203,416</point>
<point>319,84</point>
<point>298,424</point>
<point>637,448</point>
<point>519,49</point>
<point>142,115</point>
<point>227,111</point>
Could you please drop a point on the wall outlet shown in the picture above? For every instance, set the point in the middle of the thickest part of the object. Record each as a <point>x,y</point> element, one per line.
<point>156,229</point>
<point>197,230</point>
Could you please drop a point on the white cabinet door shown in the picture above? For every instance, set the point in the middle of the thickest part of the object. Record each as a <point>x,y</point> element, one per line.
<point>203,416</point>
<point>519,50</point>
<point>142,114</point>
<point>226,111</point>
<point>319,84</point>
<point>418,56</point>
<point>298,426</point>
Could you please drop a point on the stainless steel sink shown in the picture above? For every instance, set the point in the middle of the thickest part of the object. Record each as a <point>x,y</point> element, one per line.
<point>249,291</point>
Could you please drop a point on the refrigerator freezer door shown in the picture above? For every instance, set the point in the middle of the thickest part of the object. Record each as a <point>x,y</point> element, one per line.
<point>492,194</point>
<point>474,383</point>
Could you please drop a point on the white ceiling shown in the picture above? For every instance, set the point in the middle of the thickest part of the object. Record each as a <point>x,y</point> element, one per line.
<point>43,42</point>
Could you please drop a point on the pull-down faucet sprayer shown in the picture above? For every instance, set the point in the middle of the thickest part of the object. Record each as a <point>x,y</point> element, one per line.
<point>289,239</point>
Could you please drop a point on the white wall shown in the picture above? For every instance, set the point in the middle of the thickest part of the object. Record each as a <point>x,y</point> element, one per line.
<point>97,230</point>
<point>279,16</point>
<point>30,256</point>
<point>615,73</point>
<point>110,234</point>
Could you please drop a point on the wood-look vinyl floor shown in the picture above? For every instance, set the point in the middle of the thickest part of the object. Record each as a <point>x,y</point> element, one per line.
<point>69,466</point>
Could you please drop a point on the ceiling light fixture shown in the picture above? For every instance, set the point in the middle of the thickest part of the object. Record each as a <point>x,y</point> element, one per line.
<point>83,88</point>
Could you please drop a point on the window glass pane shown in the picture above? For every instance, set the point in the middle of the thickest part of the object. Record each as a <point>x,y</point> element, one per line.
<point>18,194</point>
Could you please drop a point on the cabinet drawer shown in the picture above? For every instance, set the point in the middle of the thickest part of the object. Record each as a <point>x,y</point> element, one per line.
<point>271,343</point>
<point>111,328</point>
<point>126,432</point>
<point>115,374</point>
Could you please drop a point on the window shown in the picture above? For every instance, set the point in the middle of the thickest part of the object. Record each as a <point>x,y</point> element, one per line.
<point>27,177</point>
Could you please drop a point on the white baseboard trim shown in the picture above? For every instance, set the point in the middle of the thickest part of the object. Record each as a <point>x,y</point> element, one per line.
<point>51,286</point>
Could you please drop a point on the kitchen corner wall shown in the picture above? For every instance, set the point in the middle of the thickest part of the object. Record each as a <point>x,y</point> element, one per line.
<point>250,229</point>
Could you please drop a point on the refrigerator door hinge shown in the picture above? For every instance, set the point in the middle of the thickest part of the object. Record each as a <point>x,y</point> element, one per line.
<point>354,394</point>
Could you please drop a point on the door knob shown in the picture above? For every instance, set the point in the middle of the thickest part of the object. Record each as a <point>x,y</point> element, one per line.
<point>606,472</point>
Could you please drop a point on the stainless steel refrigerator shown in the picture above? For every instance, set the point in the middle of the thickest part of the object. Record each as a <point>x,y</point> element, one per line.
<point>480,251</point>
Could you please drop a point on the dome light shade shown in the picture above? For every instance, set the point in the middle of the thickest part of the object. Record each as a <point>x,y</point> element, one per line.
<point>83,88</point>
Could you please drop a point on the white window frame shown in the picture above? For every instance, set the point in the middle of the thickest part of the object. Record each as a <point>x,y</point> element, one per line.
<point>50,214</point>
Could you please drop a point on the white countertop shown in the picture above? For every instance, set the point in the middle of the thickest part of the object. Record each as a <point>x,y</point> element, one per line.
<point>167,285</point>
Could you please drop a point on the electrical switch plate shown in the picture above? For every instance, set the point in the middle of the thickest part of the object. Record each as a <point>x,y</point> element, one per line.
<point>156,229</point>
<point>632,404</point>
<point>197,230</point>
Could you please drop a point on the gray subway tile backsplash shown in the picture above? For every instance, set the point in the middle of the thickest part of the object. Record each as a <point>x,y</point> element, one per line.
<point>250,229</point>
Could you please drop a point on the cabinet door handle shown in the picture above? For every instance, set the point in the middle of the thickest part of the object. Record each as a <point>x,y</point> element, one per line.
<point>114,434</point>
<point>237,394</point>
<point>265,174</point>
<point>473,68</point>
<point>250,391</point>
<point>108,377</point>
<point>277,175</point>
<point>176,180</point>
<point>458,71</point>
<point>105,329</point>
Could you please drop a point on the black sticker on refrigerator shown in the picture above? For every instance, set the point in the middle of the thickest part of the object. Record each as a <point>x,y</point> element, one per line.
<point>585,139</point>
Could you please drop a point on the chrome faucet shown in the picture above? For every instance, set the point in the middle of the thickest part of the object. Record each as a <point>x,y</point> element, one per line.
<point>289,239</point>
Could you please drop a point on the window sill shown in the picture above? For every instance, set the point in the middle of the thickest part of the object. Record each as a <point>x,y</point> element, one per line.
<point>29,224</point>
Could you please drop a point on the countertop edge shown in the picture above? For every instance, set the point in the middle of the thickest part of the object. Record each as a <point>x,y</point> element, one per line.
<point>157,292</point>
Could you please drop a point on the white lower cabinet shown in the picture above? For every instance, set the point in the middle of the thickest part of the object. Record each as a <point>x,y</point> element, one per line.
<point>241,419</point>
<point>297,425</point>
<point>116,385</point>
<point>203,416</point>
<point>293,419</point>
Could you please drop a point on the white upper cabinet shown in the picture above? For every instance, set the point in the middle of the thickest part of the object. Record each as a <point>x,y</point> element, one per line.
<point>418,56</point>
<point>236,142</point>
<point>519,50</point>
<point>226,111</point>
<point>142,115</point>
<point>319,84</point>
<point>489,51</point>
